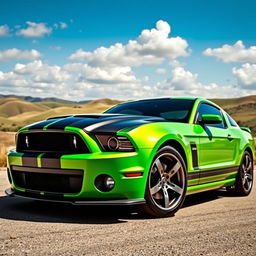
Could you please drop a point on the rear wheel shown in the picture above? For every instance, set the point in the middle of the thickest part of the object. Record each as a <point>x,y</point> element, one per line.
<point>166,185</point>
<point>244,179</point>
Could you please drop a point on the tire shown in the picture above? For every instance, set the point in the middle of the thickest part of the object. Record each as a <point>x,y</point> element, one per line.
<point>244,178</point>
<point>166,185</point>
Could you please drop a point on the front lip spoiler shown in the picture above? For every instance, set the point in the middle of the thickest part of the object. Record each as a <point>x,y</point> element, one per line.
<point>10,192</point>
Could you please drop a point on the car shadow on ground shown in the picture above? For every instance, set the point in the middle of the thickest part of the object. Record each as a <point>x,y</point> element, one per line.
<point>38,211</point>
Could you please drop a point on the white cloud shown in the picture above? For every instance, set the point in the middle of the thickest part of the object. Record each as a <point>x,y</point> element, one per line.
<point>17,54</point>
<point>181,83</point>
<point>79,55</point>
<point>233,53</point>
<point>98,75</point>
<point>112,75</point>
<point>161,71</point>
<point>4,30</point>
<point>35,30</point>
<point>36,78</point>
<point>183,80</point>
<point>42,73</point>
<point>246,75</point>
<point>111,71</point>
<point>71,80</point>
<point>151,47</point>
<point>176,63</point>
<point>185,83</point>
<point>12,80</point>
<point>80,81</point>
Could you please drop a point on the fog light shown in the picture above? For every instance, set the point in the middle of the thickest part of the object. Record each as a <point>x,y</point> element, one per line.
<point>104,183</point>
<point>109,182</point>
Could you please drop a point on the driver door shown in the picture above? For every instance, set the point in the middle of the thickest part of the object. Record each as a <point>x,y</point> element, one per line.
<point>216,149</point>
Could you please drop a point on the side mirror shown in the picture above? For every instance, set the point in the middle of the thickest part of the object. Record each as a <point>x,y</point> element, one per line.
<point>247,129</point>
<point>211,119</point>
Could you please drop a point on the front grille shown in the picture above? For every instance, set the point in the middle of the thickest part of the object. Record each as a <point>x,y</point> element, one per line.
<point>48,180</point>
<point>51,142</point>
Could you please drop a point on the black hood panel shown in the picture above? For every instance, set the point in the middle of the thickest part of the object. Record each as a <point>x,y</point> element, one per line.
<point>96,123</point>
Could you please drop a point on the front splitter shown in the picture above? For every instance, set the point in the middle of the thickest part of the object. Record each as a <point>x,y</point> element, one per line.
<point>12,193</point>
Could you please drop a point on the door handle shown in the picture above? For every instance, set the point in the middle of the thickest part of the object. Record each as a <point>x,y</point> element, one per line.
<point>230,137</point>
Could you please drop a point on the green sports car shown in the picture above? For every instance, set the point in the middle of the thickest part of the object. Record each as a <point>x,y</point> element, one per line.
<point>150,153</point>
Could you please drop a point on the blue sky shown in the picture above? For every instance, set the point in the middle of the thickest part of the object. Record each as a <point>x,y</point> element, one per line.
<point>200,48</point>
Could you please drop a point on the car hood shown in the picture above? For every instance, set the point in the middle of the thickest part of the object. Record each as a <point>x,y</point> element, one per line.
<point>95,123</point>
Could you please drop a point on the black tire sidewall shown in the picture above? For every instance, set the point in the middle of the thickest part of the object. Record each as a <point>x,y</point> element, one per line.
<point>239,187</point>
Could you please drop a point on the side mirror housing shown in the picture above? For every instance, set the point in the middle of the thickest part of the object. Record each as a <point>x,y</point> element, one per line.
<point>211,119</point>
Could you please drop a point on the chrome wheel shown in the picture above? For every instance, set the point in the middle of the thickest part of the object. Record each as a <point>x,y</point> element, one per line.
<point>247,173</point>
<point>244,178</point>
<point>167,181</point>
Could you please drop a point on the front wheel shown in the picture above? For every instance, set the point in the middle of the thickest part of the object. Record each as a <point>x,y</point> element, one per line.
<point>167,183</point>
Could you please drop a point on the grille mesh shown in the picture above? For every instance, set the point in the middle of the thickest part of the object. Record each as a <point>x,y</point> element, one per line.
<point>48,180</point>
<point>51,142</point>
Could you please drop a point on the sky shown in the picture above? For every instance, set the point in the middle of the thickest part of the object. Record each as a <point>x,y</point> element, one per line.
<point>88,49</point>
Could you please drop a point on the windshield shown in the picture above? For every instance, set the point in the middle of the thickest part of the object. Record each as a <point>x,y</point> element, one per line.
<point>176,110</point>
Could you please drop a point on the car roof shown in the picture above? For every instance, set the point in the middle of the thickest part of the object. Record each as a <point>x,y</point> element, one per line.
<point>166,98</point>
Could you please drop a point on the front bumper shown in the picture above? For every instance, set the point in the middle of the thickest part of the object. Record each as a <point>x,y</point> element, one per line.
<point>127,190</point>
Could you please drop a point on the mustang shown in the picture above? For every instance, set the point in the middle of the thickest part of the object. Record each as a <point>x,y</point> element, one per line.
<point>149,153</point>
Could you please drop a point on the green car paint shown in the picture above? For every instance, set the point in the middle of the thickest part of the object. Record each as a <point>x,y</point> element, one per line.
<point>212,154</point>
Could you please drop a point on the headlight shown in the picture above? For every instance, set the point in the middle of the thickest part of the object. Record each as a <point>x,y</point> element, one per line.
<point>115,143</point>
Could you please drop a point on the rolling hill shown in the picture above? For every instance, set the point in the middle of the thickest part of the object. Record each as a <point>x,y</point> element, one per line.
<point>16,112</point>
<point>12,107</point>
<point>243,110</point>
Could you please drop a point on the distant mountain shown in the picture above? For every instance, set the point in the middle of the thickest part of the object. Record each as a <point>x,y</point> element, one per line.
<point>38,99</point>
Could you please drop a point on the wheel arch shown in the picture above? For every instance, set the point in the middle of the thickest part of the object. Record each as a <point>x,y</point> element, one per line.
<point>175,144</point>
<point>248,149</point>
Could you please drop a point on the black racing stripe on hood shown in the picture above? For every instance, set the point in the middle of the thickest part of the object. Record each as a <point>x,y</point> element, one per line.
<point>81,121</point>
<point>63,122</point>
<point>103,123</point>
<point>124,122</point>
<point>117,126</point>
<point>40,125</point>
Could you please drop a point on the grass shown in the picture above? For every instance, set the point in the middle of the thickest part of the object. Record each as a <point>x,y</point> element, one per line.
<point>7,141</point>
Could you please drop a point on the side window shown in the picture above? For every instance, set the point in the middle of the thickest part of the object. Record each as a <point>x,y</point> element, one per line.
<point>232,121</point>
<point>205,108</point>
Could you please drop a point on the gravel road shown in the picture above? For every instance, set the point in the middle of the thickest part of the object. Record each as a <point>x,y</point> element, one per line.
<point>210,223</point>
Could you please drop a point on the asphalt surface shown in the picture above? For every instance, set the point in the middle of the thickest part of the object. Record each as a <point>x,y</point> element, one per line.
<point>210,223</point>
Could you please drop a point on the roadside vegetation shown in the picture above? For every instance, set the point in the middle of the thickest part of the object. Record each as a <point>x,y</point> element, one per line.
<point>7,141</point>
